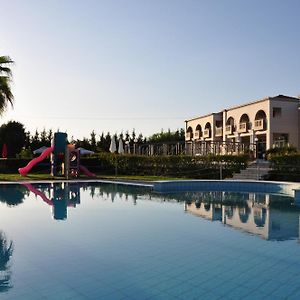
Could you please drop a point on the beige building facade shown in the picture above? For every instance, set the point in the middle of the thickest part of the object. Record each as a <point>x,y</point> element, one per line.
<point>253,127</point>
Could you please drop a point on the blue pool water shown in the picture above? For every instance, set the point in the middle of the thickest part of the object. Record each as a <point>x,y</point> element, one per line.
<point>93,241</point>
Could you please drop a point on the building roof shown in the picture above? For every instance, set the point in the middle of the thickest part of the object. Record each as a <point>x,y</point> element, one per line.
<point>288,98</point>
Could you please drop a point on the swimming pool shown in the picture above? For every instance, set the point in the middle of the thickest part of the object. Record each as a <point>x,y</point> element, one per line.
<point>106,241</point>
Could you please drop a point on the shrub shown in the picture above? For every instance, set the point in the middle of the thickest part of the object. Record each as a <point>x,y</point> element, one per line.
<point>175,166</point>
<point>201,167</point>
<point>285,167</point>
<point>285,150</point>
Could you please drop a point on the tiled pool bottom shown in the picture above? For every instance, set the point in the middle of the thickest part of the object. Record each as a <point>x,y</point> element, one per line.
<point>110,242</point>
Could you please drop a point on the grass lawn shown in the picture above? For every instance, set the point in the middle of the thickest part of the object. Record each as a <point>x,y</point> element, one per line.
<point>18,177</point>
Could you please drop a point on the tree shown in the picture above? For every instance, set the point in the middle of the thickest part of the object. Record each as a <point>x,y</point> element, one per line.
<point>140,138</point>
<point>163,137</point>
<point>107,142</point>
<point>6,96</point>
<point>133,135</point>
<point>43,137</point>
<point>50,137</point>
<point>93,142</point>
<point>27,140</point>
<point>13,135</point>
<point>127,136</point>
<point>85,143</point>
<point>35,141</point>
<point>101,143</point>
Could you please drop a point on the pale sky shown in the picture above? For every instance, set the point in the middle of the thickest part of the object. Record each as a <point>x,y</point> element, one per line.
<point>116,65</point>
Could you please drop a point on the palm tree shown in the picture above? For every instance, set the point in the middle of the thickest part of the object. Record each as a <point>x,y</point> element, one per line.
<point>6,251</point>
<point>6,95</point>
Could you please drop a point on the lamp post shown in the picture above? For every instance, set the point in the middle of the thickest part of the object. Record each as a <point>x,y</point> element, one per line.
<point>256,147</point>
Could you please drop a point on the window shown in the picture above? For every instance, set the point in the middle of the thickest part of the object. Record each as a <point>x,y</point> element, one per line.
<point>276,112</point>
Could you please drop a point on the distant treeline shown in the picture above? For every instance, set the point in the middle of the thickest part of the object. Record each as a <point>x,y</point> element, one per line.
<point>18,140</point>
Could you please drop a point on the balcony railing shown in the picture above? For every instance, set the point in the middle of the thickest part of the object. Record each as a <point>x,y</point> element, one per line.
<point>188,136</point>
<point>219,131</point>
<point>243,127</point>
<point>228,129</point>
<point>197,134</point>
<point>259,124</point>
<point>206,133</point>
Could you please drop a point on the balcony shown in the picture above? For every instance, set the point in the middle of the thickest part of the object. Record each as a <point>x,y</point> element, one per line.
<point>219,131</point>
<point>243,127</point>
<point>188,136</point>
<point>259,124</point>
<point>228,129</point>
<point>206,133</point>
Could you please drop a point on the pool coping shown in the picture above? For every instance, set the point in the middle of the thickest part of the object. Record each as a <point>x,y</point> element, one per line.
<point>287,188</point>
<point>169,186</point>
<point>121,182</point>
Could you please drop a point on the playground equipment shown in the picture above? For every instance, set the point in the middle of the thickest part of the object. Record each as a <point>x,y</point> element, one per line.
<point>65,159</point>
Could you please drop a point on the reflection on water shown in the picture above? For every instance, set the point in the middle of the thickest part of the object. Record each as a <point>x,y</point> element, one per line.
<point>111,191</point>
<point>59,195</point>
<point>62,195</point>
<point>6,251</point>
<point>272,217</point>
<point>12,196</point>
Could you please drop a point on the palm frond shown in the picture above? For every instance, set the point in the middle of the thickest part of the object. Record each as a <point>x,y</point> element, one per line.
<point>6,95</point>
<point>4,61</point>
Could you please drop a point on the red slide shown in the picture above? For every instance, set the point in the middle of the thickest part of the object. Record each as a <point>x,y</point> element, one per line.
<point>85,171</point>
<point>23,171</point>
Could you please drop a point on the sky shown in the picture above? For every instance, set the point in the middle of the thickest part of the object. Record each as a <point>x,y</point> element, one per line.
<point>147,65</point>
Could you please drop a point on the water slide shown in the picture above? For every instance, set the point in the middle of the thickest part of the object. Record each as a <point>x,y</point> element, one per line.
<point>86,172</point>
<point>23,171</point>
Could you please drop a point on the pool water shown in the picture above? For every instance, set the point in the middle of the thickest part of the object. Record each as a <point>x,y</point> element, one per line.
<point>103,241</point>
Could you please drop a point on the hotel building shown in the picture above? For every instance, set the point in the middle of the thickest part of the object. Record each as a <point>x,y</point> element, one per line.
<point>252,127</point>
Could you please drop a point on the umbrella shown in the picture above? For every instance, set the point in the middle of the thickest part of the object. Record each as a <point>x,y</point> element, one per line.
<point>4,151</point>
<point>40,150</point>
<point>113,147</point>
<point>85,151</point>
<point>121,148</point>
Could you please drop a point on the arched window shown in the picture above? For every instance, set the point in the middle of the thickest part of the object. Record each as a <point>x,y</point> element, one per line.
<point>260,122</point>
<point>244,124</point>
<point>229,126</point>
<point>198,132</point>
<point>207,130</point>
<point>189,133</point>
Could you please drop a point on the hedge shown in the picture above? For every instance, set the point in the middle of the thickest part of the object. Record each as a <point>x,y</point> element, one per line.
<point>11,165</point>
<point>285,167</point>
<point>175,166</point>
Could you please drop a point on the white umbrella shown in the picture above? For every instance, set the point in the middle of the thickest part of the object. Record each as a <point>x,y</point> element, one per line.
<point>85,151</point>
<point>121,148</point>
<point>113,147</point>
<point>40,150</point>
